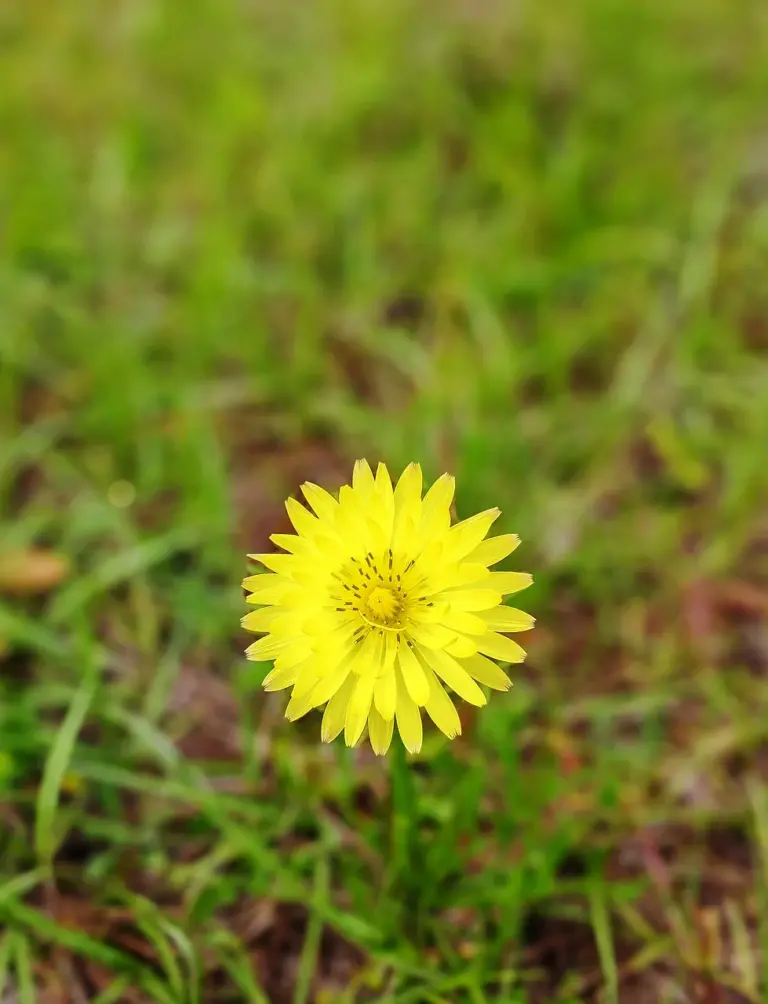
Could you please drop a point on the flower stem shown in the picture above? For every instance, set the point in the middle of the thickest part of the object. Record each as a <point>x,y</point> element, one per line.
<point>403,810</point>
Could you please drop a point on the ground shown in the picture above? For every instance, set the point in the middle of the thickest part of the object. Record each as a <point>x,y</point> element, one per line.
<point>245,243</point>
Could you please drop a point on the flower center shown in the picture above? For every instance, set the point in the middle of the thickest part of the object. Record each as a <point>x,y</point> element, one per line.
<point>382,605</point>
<point>375,591</point>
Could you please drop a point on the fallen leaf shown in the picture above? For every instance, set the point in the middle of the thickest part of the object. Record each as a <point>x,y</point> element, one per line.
<point>28,571</point>
<point>743,597</point>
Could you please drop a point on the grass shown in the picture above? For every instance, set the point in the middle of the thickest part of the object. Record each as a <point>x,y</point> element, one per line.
<point>242,246</point>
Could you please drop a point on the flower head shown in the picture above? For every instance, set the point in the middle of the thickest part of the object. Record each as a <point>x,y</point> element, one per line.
<point>379,602</point>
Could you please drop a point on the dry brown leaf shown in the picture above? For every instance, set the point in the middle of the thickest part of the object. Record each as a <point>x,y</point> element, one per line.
<point>28,571</point>
<point>743,597</point>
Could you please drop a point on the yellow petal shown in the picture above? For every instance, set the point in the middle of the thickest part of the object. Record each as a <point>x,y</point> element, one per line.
<point>291,543</point>
<point>286,623</point>
<point>430,635</point>
<point>358,708</point>
<point>435,613</point>
<point>509,582</point>
<point>283,564</point>
<point>328,546</point>
<point>436,507</point>
<point>460,620</point>
<point>389,654</point>
<point>335,712</point>
<point>306,524</point>
<point>324,504</point>
<point>509,619</point>
<point>487,672</point>
<point>363,736</point>
<point>328,623</point>
<point>384,510</point>
<point>279,679</point>
<point>454,575</point>
<point>362,480</point>
<point>405,530</point>
<point>366,656</point>
<point>474,599</point>
<point>336,637</point>
<point>383,482</point>
<point>408,492</point>
<point>413,674</point>
<point>380,731</point>
<point>264,581</point>
<point>309,675</point>
<point>352,519</point>
<point>296,650</point>
<point>440,494</point>
<point>465,536</point>
<point>385,694</point>
<point>453,673</point>
<point>440,708</point>
<point>293,654</point>
<point>273,596</point>
<point>299,705</point>
<point>408,718</point>
<point>265,648</point>
<point>462,647</point>
<point>499,647</point>
<point>494,549</point>
<point>331,681</point>
<point>309,574</point>
<point>260,620</point>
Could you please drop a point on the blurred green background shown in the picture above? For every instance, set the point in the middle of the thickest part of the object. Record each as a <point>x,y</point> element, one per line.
<point>244,243</point>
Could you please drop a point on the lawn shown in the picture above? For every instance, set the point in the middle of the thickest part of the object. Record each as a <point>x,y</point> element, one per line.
<point>243,244</point>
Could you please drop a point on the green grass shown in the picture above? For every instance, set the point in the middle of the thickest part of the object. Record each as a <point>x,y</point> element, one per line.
<point>241,246</point>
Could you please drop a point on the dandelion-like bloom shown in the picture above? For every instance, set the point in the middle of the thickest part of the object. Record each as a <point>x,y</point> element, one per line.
<point>378,602</point>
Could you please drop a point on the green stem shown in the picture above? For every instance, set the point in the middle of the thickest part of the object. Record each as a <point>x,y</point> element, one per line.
<point>403,810</point>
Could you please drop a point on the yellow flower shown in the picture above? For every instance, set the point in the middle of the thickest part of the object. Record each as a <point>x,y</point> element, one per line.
<point>378,602</point>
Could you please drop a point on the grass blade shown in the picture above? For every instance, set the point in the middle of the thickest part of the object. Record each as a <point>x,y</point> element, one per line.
<point>56,766</point>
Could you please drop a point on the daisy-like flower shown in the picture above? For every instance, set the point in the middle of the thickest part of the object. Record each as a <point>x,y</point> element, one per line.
<point>379,602</point>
